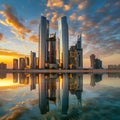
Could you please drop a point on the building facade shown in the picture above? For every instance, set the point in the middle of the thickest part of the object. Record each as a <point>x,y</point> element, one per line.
<point>57,51</point>
<point>63,35</point>
<point>3,66</point>
<point>27,62</point>
<point>32,60</point>
<point>52,51</point>
<point>22,63</point>
<point>15,64</point>
<point>95,62</point>
<point>79,52</point>
<point>92,60</point>
<point>76,55</point>
<point>42,45</point>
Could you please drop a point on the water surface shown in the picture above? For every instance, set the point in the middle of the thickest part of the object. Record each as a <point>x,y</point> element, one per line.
<point>59,96</point>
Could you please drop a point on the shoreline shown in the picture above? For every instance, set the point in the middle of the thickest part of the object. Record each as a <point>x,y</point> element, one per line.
<point>61,71</point>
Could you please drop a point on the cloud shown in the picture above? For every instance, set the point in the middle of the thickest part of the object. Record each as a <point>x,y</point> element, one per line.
<point>54,17</point>
<point>73,17</point>
<point>34,22</point>
<point>6,52</point>
<point>13,21</point>
<point>2,22</point>
<point>82,18</point>
<point>104,9</point>
<point>1,36</point>
<point>34,38</point>
<point>55,3</point>
<point>67,7</point>
<point>83,5</point>
<point>54,26</point>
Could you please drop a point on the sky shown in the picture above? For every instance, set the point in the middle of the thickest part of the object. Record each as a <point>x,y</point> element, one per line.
<point>97,20</point>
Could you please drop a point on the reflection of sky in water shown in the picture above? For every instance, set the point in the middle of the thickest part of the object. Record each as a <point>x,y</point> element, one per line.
<point>91,97</point>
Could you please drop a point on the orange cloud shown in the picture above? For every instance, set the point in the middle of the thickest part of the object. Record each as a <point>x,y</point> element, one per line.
<point>12,20</point>
<point>2,22</point>
<point>6,52</point>
<point>55,16</point>
<point>73,17</point>
<point>55,3</point>
<point>33,38</point>
<point>67,7</point>
<point>83,5</point>
<point>82,18</point>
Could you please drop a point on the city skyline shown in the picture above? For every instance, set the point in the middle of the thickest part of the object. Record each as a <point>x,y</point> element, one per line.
<point>97,21</point>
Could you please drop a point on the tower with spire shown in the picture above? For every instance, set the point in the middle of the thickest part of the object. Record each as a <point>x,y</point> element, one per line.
<point>79,51</point>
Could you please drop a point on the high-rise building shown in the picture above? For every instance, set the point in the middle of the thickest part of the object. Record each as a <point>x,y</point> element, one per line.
<point>73,57</point>
<point>63,35</point>
<point>37,62</point>
<point>21,63</point>
<point>98,64</point>
<point>3,66</point>
<point>95,62</point>
<point>32,60</point>
<point>43,37</point>
<point>27,62</point>
<point>15,64</point>
<point>79,52</point>
<point>57,50</point>
<point>52,51</point>
<point>92,59</point>
<point>76,54</point>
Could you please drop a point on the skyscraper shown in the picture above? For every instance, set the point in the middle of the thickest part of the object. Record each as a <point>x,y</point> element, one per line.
<point>27,64</point>
<point>95,62</point>
<point>79,52</point>
<point>42,45</point>
<point>76,54</point>
<point>22,63</point>
<point>32,60</point>
<point>3,66</point>
<point>92,59</point>
<point>15,64</point>
<point>57,50</point>
<point>63,35</point>
<point>52,50</point>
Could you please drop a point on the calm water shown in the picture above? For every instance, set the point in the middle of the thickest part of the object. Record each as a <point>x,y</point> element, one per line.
<point>59,96</point>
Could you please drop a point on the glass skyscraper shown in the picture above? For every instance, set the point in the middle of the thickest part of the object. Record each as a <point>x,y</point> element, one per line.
<point>63,35</point>
<point>43,36</point>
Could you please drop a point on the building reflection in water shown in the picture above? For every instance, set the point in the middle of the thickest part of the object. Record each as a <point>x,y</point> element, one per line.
<point>113,75</point>
<point>76,86</point>
<point>2,75</point>
<point>43,94</point>
<point>32,81</point>
<point>65,94</point>
<point>49,91</point>
<point>22,78</point>
<point>95,78</point>
<point>15,77</point>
